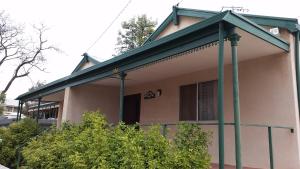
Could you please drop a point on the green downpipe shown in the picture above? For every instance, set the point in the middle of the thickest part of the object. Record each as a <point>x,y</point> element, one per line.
<point>236,100</point>
<point>270,147</point>
<point>122,91</point>
<point>221,96</point>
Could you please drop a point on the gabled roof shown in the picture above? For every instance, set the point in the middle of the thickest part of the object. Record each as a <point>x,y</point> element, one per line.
<point>86,58</point>
<point>290,24</point>
<point>193,36</point>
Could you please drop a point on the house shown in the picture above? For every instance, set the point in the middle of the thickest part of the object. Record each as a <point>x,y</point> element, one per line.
<point>237,75</point>
<point>10,108</point>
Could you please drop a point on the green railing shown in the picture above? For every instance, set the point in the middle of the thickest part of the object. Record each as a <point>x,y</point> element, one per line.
<point>165,127</point>
<point>268,127</point>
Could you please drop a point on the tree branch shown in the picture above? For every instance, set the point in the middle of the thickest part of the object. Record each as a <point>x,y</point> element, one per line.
<point>14,47</point>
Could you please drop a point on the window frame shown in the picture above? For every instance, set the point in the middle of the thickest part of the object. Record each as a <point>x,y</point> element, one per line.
<point>197,101</point>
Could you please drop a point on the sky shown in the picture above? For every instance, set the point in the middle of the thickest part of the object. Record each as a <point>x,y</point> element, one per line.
<point>74,25</point>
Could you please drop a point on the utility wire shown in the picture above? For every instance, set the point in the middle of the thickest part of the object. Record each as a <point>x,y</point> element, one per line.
<point>112,22</point>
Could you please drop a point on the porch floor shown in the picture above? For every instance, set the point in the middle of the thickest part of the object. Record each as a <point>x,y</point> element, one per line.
<point>216,166</point>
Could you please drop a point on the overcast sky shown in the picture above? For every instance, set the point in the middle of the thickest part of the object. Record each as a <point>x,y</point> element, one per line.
<point>76,24</point>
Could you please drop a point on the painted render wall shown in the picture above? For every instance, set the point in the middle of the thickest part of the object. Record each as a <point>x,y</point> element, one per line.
<point>91,98</point>
<point>87,65</point>
<point>184,22</point>
<point>267,96</point>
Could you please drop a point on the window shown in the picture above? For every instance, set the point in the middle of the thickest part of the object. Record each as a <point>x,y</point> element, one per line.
<point>198,101</point>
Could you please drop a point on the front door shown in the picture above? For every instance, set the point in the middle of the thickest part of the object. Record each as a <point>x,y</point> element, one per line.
<point>132,106</point>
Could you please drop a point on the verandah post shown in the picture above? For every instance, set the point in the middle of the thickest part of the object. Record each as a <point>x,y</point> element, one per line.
<point>122,88</point>
<point>270,147</point>
<point>38,111</point>
<point>21,110</point>
<point>19,106</point>
<point>234,38</point>
<point>221,95</point>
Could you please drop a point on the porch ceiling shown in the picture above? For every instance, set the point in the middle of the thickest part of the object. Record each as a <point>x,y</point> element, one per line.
<point>249,47</point>
<point>55,97</point>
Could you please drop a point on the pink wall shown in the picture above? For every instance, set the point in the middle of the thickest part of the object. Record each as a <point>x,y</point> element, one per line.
<point>91,98</point>
<point>267,96</point>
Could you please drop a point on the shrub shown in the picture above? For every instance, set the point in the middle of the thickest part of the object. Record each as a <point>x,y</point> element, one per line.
<point>191,144</point>
<point>95,144</point>
<point>14,135</point>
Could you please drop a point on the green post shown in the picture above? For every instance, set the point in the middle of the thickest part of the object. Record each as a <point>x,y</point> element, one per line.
<point>122,89</point>
<point>38,111</point>
<point>221,95</point>
<point>270,147</point>
<point>234,38</point>
<point>21,110</point>
<point>164,130</point>
<point>19,105</point>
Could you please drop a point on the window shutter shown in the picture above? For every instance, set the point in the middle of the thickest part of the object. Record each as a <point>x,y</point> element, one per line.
<point>188,102</point>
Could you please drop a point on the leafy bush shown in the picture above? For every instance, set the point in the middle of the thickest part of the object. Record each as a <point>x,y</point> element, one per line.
<point>13,136</point>
<point>95,144</point>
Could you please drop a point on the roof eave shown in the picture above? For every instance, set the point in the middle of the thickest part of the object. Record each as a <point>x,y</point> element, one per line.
<point>258,31</point>
<point>288,23</point>
<point>105,68</point>
<point>126,55</point>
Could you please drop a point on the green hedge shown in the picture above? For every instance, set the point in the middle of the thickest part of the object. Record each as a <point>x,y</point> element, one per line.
<point>14,135</point>
<point>95,144</point>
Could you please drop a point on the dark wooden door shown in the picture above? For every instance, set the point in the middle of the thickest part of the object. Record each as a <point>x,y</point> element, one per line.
<point>132,106</point>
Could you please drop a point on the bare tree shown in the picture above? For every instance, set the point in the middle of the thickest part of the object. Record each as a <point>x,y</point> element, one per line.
<point>26,52</point>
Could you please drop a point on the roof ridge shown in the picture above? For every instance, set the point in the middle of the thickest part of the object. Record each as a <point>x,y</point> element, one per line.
<point>251,15</point>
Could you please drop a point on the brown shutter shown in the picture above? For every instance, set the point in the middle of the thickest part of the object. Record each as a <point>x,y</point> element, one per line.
<point>188,102</point>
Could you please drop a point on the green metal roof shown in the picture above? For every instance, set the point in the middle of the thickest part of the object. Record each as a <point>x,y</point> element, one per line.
<point>196,35</point>
<point>290,24</point>
<point>86,58</point>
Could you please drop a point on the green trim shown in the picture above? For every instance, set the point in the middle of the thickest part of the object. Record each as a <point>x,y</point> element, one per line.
<point>196,13</point>
<point>290,24</point>
<point>234,38</point>
<point>86,58</point>
<point>175,16</point>
<point>185,39</point>
<point>164,130</point>
<point>21,110</point>
<point>19,106</point>
<point>270,140</point>
<point>122,91</point>
<point>287,23</point>
<point>38,111</point>
<point>256,30</point>
<point>221,96</point>
<point>160,28</point>
<point>191,37</point>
